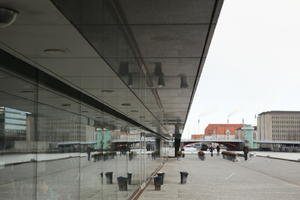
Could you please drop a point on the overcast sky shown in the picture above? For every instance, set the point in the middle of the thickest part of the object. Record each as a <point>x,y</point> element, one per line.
<point>253,64</point>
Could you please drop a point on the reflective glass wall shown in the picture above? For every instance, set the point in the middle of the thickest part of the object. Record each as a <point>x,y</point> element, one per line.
<point>56,147</point>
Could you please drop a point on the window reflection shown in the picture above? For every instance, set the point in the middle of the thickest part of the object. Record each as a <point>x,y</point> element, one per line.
<point>59,148</point>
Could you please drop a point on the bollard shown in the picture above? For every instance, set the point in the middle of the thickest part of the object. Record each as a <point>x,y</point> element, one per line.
<point>161,174</point>
<point>101,175</point>
<point>109,177</point>
<point>122,182</point>
<point>183,177</point>
<point>157,182</point>
<point>129,176</point>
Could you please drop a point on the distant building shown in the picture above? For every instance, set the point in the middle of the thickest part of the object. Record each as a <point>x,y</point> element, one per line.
<point>13,125</point>
<point>221,131</point>
<point>197,136</point>
<point>247,133</point>
<point>279,126</point>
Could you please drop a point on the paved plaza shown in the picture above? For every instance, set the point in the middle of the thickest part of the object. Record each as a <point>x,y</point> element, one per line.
<point>218,179</point>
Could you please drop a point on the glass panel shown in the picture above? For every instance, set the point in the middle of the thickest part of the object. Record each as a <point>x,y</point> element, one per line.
<point>65,149</point>
<point>17,139</point>
<point>59,139</point>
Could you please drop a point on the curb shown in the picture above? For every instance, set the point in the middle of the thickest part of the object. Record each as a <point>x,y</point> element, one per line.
<point>278,158</point>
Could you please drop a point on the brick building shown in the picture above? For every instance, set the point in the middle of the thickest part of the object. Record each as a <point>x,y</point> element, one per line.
<point>221,131</point>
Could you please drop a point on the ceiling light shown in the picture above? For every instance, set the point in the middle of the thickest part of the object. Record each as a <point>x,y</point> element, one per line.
<point>7,17</point>
<point>26,91</point>
<point>183,81</point>
<point>65,105</point>
<point>124,68</point>
<point>55,51</point>
<point>126,104</point>
<point>161,81</point>
<point>107,91</point>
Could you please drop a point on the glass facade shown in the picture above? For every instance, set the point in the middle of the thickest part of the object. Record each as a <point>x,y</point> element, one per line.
<point>57,147</point>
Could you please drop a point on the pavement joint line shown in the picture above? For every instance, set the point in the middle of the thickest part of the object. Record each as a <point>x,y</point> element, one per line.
<point>139,191</point>
<point>231,175</point>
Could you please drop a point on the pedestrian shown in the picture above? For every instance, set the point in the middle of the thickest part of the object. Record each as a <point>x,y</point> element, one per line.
<point>218,150</point>
<point>246,150</point>
<point>211,149</point>
<point>89,153</point>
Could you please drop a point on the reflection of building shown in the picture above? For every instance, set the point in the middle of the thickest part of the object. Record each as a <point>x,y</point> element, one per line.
<point>279,126</point>
<point>104,139</point>
<point>13,125</point>
<point>221,131</point>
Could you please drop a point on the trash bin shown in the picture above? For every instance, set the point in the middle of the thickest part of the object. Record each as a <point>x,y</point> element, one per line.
<point>161,174</point>
<point>122,182</point>
<point>129,175</point>
<point>109,177</point>
<point>157,182</point>
<point>183,177</point>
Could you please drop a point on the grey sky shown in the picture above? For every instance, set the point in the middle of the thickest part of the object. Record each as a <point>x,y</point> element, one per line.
<point>253,64</point>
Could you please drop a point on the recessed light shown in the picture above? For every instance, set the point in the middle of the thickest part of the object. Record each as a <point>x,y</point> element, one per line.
<point>26,91</point>
<point>126,104</point>
<point>7,17</point>
<point>65,104</point>
<point>55,51</point>
<point>107,91</point>
<point>134,111</point>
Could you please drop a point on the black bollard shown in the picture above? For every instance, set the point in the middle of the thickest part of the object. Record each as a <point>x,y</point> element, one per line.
<point>183,177</point>
<point>122,182</point>
<point>109,177</point>
<point>101,175</point>
<point>129,175</point>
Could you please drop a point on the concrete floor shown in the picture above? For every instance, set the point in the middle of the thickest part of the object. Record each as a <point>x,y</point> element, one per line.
<point>215,178</point>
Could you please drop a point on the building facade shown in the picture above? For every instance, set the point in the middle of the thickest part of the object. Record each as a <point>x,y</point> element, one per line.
<point>279,126</point>
<point>279,130</point>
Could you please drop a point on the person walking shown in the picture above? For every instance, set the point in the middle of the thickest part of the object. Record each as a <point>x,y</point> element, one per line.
<point>246,151</point>
<point>89,149</point>
<point>211,149</point>
<point>218,150</point>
